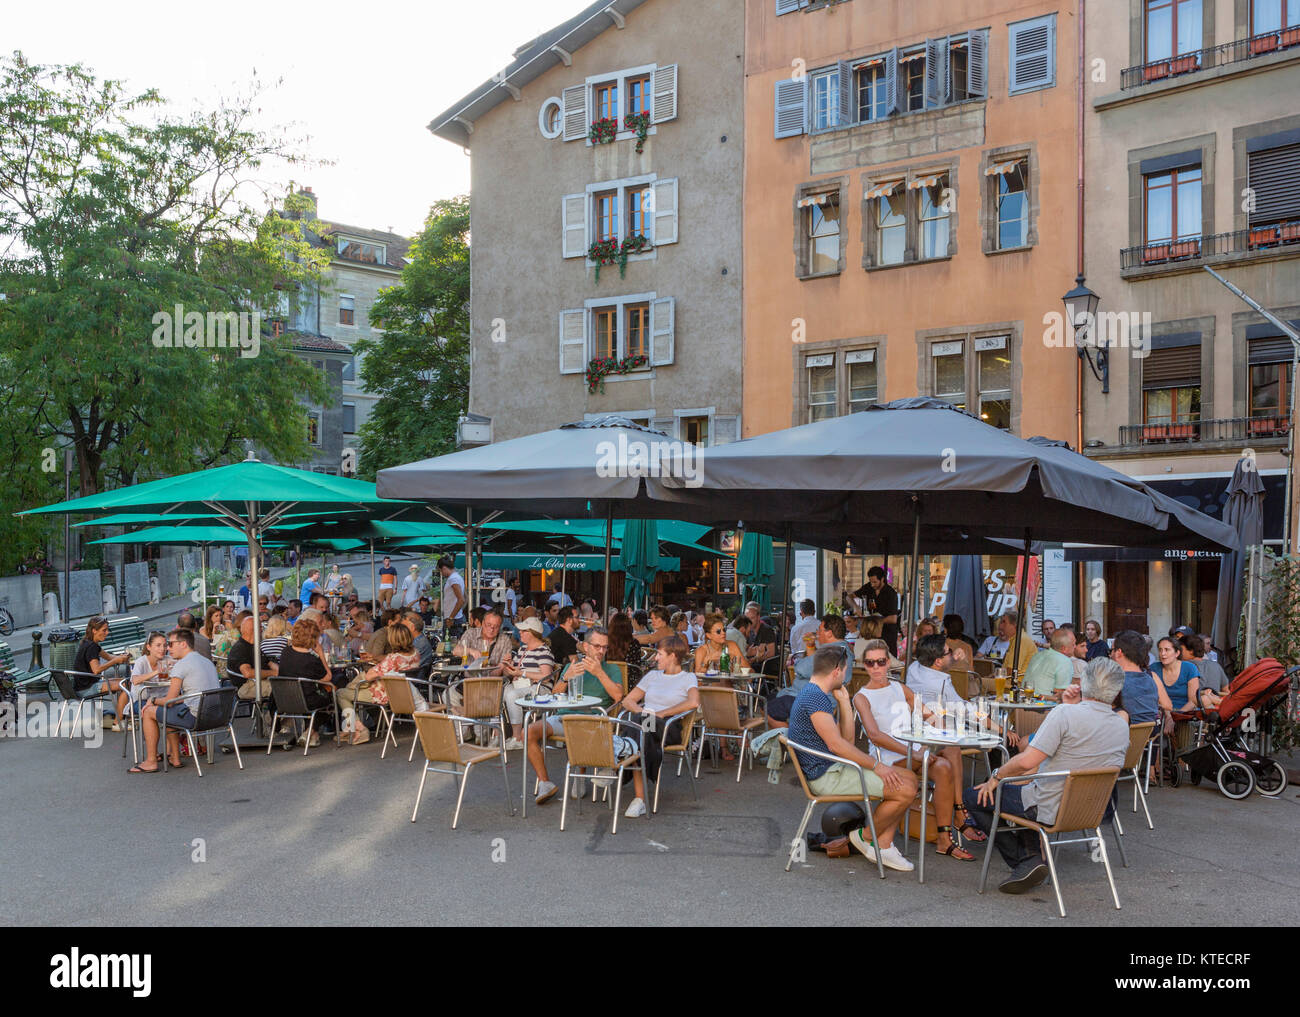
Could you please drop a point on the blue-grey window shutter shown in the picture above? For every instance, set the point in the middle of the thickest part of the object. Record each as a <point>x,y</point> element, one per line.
<point>936,60</point>
<point>847,94</point>
<point>977,79</point>
<point>1032,54</point>
<point>791,107</point>
<point>891,82</point>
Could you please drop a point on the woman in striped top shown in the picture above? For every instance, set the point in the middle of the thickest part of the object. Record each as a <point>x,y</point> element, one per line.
<point>275,637</point>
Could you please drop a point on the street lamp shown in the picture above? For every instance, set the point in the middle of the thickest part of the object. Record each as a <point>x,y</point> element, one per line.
<point>1081,312</point>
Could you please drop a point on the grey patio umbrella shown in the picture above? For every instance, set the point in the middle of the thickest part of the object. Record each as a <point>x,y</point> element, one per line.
<point>1244,512</point>
<point>967,595</point>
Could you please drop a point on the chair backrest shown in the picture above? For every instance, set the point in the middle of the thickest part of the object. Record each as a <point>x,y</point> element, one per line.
<point>589,740</point>
<point>482,697</point>
<point>798,767</point>
<point>857,680</point>
<point>721,708</point>
<point>983,668</point>
<point>437,737</point>
<point>1026,722</point>
<point>288,694</point>
<point>1138,736</point>
<point>400,699</point>
<point>215,708</point>
<point>687,721</point>
<point>63,681</point>
<point>1084,799</point>
<point>963,682</point>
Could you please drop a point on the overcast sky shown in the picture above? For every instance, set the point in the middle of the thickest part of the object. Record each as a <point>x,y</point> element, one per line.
<point>361,82</point>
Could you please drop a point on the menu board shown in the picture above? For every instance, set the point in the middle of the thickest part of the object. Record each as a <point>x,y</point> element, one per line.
<point>726,575</point>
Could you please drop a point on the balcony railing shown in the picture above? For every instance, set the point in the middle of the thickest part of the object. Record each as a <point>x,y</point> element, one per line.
<point>1187,432</point>
<point>1257,238</point>
<point>1214,56</point>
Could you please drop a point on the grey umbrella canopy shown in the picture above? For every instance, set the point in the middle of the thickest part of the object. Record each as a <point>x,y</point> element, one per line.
<point>1244,512</point>
<point>968,596</point>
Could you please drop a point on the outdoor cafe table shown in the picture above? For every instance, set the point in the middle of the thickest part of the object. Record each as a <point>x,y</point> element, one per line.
<point>933,738</point>
<point>1000,707</point>
<point>534,707</point>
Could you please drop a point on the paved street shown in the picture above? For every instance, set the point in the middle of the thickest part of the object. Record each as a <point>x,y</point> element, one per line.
<point>328,839</point>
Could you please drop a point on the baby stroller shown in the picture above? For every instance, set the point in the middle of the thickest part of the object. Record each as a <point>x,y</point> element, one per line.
<point>1222,754</point>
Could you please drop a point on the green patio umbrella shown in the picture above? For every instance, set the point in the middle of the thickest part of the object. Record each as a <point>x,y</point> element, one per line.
<point>754,568</point>
<point>639,559</point>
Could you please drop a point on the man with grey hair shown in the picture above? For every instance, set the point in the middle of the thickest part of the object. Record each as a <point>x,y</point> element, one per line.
<point>1083,733</point>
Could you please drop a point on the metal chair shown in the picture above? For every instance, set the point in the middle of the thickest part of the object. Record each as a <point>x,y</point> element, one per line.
<point>289,696</point>
<point>214,710</point>
<point>682,750</point>
<point>590,741</point>
<point>64,682</point>
<point>401,707</point>
<point>1139,746</point>
<point>814,799</point>
<point>439,736</point>
<point>483,701</point>
<point>722,722</point>
<point>1084,801</point>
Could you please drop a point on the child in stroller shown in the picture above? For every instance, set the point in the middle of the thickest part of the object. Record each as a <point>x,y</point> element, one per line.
<point>1246,705</point>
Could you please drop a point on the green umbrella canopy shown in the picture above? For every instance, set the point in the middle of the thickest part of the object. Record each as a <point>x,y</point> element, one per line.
<point>754,567</point>
<point>179,535</point>
<point>195,519</point>
<point>639,559</point>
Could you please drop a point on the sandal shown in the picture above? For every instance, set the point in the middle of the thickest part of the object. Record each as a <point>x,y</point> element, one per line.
<point>976,835</point>
<point>140,769</point>
<point>953,851</point>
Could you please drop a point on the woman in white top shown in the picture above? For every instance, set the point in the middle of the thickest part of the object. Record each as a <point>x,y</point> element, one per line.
<point>660,696</point>
<point>885,708</point>
<point>145,668</point>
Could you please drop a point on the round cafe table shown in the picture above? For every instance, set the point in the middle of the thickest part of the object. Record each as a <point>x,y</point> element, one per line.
<point>537,707</point>
<point>933,738</point>
<point>999,708</point>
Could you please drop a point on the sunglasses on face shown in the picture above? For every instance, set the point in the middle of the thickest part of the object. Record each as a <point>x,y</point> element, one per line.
<point>875,661</point>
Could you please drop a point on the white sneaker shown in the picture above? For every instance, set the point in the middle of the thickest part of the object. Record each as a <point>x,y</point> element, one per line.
<point>545,792</point>
<point>577,788</point>
<point>893,859</point>
<point>495,740</point>
<point>117,727</point>
<point>637,808</point>
<point>858,838</point>
<point>512,744</point>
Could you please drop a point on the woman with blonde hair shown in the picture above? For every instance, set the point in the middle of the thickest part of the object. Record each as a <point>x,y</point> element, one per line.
<point>275,636</point>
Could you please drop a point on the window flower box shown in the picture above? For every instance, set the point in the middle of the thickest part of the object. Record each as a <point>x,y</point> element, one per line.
<point>639,122</point>
<point>611,252</point>
<point>1263,236</point>
<point>1263,43</point>
<point>1184,64</point>
<point>599,368</point>
<point>603,131</point>
<point>1290,232</point>
<point>1291,36</point>
<point>1154,72</point>
<point>1155,252</point>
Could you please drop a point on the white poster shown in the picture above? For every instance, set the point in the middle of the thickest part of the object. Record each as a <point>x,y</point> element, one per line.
<point>804,583</point>
<point>1056,585</point>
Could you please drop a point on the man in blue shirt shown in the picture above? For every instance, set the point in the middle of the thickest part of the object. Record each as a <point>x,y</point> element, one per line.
<point>822,719</point>
<point>309,587</point>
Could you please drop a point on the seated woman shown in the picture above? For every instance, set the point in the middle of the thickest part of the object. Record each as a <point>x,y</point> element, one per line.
<point>399,656</point>
<point>660,628</point>
<point>708,655</point>
<point>640,622</point>
<point>1212,679</point>
<point>623,648</point>
<point>871,627</point>
<point>304,658</point>
<point>275,636</point>
<point>656,704</point>
<point>98,672</point>
<point>1179,677</point>
<point>885,706</point>
<point>533,664</point>
<point>190,674</point>
<point>147,667</point>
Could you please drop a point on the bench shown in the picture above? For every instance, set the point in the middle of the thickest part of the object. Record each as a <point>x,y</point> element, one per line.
<point>123,632</point>
<point>25,681</point>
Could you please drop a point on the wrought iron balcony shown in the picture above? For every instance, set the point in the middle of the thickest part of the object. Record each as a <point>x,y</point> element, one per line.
<point>1197,250</point>
<point>1237,51</point>
<point>1190,432</point>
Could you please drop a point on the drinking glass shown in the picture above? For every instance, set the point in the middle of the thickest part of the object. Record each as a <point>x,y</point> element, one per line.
<point>1000,686</point>
<point>575,686</point>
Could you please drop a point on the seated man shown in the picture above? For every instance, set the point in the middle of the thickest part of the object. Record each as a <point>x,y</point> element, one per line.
<point>830,632</point>
<point>822,719</point>
<point>1050,671</point>
<point>926,676</point>
<point>191,674</point>
<point>600,679</point>
<point>239,663</point>
<point>1143,695</point>
<point>1001,645</point>
<point>1083,733</point>
<point>762,642</point>
<point>1213,679</point>
<point>533,665</point>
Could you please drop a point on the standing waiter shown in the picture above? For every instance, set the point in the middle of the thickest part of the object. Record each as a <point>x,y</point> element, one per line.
<point>882,599</point>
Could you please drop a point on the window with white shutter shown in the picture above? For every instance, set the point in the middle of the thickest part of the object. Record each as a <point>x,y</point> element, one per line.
<point>573,213</point>
<point>1274,177</point>
<point>664,194</point>
<point>662,327</point>
<point>790,6</point>
<point>726,429</point>
<point>1031,49</point>
<point>791,107</point>
<point>668,425</point>
<point>663,83</point>
<point>576,119</point>
<point>573,341</point>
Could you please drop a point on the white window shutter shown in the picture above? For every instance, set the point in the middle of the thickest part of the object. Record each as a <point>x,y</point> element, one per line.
<point>1032,54</point>
<point>848,95</point>
<point>573,341</point>
<point>663,86</point>
<point>573,225</point>
<point>662,314</point>
<point>891,82</point>
<point>666,424</point>
<point>725,430</point>
<point>977,82</point>
<point>665,217</point>
<point>789,6</point>
<point>791,107</point>
<point>576,121</point>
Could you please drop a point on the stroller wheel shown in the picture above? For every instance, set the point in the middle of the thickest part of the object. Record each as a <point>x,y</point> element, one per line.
<point>1271,779</point>
<point>1173,772</point>
<point>1236,780</point>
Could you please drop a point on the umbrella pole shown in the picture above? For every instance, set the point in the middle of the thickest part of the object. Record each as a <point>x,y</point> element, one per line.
<point>609,543</point>
<point>564,568</point>
<point>469,561</point>
<point>374,589</point>
<point>911,589</point>
<point>1020,606</point>
<point>203,577</point>
<point>789,555</point>
<point>297,570</point>
<point>251,531</point>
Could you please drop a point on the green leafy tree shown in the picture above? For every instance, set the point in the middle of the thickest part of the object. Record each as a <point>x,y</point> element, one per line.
<point>113,211</point>
<point>420,363</point>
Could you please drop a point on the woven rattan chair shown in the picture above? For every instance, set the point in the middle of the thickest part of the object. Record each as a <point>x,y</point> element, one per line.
<point>1084,801</point>
<point>722,722</point>
<point>1139,748</point>
<point>400,709</point>
<point>439,737</point>
<point>797,845</point>
<point>590,741</point>
<point>983,668</point>
<point>483,700</point>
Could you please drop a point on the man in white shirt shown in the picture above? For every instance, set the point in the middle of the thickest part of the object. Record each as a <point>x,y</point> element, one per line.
<point>512,599</point>
<point>412,587</point>
<point>453,594</point>
<point>925,678</point>
<point>806,626</point>
<point>265,588</point>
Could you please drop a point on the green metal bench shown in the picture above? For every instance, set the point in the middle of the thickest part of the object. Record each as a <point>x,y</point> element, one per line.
<point>26,681</point>
<point>123,632</point>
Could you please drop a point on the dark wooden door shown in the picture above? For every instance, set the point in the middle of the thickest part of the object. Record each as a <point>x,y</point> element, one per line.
<point>1126,596</point>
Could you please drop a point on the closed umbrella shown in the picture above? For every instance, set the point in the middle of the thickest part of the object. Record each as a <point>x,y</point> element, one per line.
<point>968,596</point>
<point>638,559</point>
<point>755,567</point>
<point>1244,512</point>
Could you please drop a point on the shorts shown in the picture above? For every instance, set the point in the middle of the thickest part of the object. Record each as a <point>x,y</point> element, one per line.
<point>180,715</point>
<point>843,780</point>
